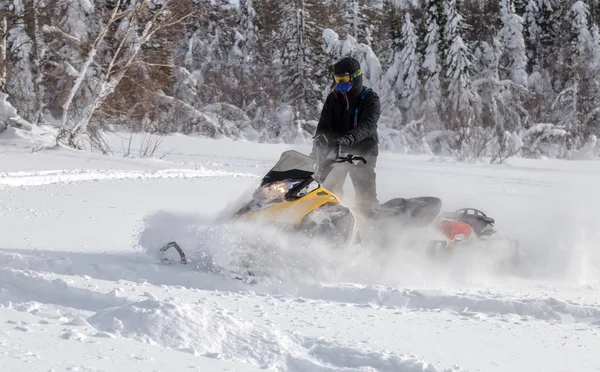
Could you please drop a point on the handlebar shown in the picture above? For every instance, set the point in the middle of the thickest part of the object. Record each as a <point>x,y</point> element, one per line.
<point>350,159</point>
<point>339,158</point>
<point>325,162</point>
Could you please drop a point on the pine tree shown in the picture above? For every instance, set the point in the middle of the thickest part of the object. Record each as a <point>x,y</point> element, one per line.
<point>549,23</point>
<point>594,6</point>
<point>246,59</point>
<point>355,20</point>
<point>440,17</point>
<point>387,29</point>
<point>520,6</point>
<point>584,58</point>
<point>453,27</point>
<point>513,59</point>
<point>482,20</point>
<point>206,53</point>
<point>532,34</point>
<point>431,67</point>
<point>268,50</point>
<point>461,97</point>
<point>408,61</point>
<point>249,34</point>
<point>303,62</point>
<point>16,67</point>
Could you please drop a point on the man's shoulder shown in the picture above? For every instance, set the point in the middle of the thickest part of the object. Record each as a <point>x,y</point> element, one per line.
<point>369,95</point>
<point>366,92</point>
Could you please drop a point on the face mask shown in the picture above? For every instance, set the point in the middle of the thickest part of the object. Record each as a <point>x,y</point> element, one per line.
<point>344,81</point>
<point>343,87</point>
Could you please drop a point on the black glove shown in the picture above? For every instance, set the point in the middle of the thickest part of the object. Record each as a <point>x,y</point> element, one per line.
<point>323,141</point>
<point>343,141</point>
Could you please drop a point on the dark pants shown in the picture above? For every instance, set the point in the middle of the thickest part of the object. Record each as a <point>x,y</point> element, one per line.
<point>363,179</point>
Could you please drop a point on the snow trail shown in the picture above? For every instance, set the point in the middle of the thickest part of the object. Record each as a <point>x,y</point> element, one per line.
<point>47,177</point>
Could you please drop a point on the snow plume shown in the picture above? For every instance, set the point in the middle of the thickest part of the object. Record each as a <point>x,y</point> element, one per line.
<point>231,248</point>
<point>274,260</point>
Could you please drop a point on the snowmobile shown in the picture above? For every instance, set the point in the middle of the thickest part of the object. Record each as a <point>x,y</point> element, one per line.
<point>292,196</point>
<point>471,227</point>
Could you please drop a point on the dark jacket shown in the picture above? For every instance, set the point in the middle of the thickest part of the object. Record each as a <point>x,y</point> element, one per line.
<point>338,119</point>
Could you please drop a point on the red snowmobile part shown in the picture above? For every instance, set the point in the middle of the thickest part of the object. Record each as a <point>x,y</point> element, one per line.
<point>455,231</point>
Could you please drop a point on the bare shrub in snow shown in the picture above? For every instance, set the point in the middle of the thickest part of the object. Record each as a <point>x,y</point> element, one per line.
<point>546,140</point>
<point>477,143</point>
<point>149,144</point>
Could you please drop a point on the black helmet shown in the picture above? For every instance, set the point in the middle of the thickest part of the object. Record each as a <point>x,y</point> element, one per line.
<point>347,74</point>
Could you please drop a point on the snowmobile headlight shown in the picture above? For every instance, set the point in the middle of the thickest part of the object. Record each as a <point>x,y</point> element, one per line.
<point>308,188</point>
<point>274,191</point>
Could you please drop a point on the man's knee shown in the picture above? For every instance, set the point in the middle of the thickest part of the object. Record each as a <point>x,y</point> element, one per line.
<point>364,179</point>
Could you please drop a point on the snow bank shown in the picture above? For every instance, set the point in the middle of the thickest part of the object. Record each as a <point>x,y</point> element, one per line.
<point>19,286</point>
<point>201,329</point>
<point>479,302</point>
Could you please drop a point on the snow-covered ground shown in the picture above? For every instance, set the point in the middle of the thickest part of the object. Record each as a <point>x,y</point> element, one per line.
<point>79,289</point>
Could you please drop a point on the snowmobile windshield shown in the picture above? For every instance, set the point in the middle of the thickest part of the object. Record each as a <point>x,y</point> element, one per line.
<point>291,165</point>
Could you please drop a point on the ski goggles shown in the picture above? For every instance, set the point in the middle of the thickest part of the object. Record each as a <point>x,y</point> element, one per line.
<point>346,78</point>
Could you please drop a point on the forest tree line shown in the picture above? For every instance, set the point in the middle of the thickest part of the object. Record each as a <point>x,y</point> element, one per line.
<point>469,78</point>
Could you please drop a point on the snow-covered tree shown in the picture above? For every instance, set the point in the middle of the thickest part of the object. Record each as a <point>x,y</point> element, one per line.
<point>303,66</point>
<point>246,57</point>
<point>134,27</point>
<point>206,51</point>
<point>355,20</point>
<point>453,21</point>
<point>256,69</point>
<point>17,71</point>
<point>247,35</point>
<point>532,34</point>
<point>514,59</point>
<point>431,69</point>
<point>387,32</point>
<point>403,75</point>
<point>519,6</point>
<point>581,112</point>
<point>461,98</point>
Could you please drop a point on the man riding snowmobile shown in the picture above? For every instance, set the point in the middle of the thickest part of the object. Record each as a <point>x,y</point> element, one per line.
<point>300,196</point>
<point>349,120</point>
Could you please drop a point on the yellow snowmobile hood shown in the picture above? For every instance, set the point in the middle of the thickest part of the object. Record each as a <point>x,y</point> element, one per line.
<point>291,212</point>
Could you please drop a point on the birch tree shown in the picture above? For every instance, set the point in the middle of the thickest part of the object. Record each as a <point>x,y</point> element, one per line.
<point>136,26</point>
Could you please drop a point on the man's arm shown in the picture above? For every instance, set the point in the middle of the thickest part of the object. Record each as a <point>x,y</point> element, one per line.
<point>367,122</point>
<point>326,119</point>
